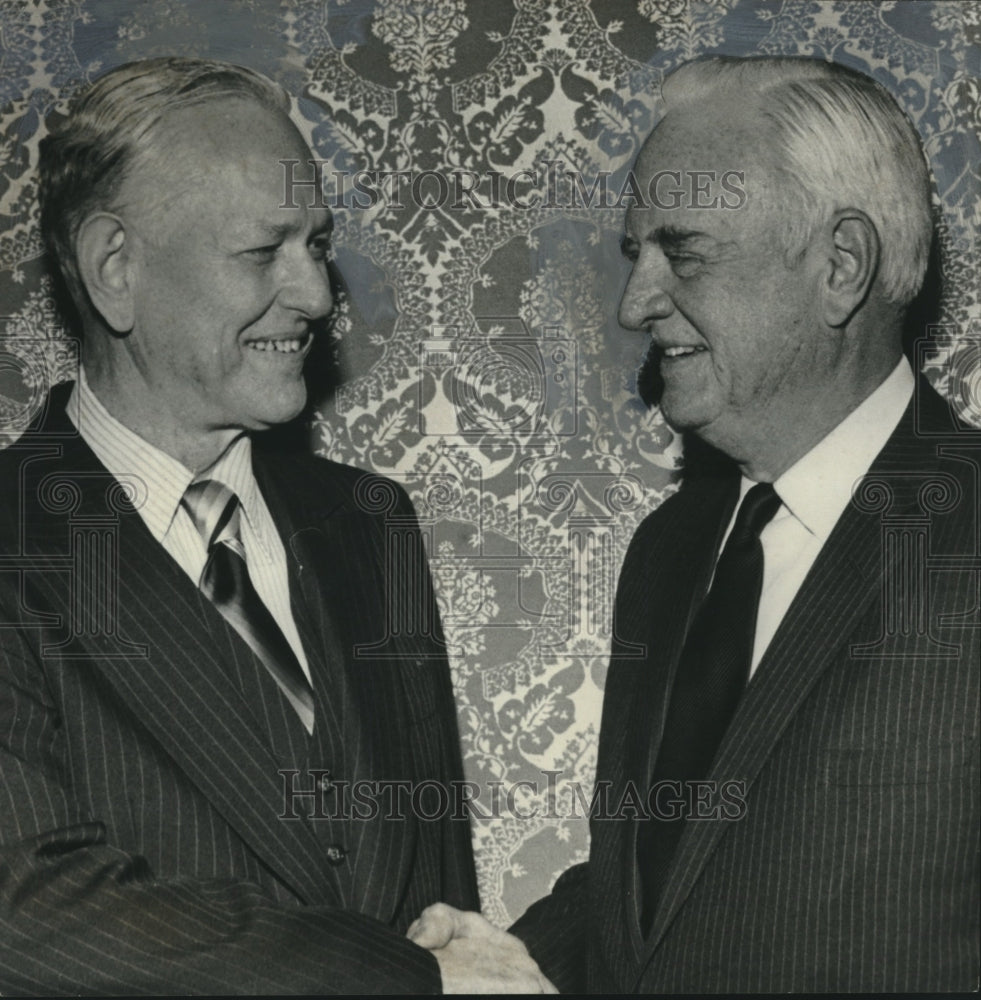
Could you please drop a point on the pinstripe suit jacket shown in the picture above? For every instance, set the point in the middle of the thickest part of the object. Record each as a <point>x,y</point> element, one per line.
<point>855,864</point>
<point>145,755</point>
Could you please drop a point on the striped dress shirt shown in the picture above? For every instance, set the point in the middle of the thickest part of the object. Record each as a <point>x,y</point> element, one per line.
<point>127,455</point>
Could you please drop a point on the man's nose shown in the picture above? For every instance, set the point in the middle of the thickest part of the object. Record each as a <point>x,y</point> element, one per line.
<point>646,297</point>
<point>308,289</point>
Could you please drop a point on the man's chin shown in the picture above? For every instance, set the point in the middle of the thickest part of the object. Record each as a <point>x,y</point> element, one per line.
<point>683,413</point>
<point>277,411</point>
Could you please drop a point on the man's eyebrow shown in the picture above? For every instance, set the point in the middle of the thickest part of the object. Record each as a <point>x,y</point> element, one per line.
<point>277,230</point>
<point>673,237</point>
<point>666,237</point>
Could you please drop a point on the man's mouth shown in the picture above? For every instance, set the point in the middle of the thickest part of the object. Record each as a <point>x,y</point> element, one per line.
<point>681,351</point>
<point>285,345</point>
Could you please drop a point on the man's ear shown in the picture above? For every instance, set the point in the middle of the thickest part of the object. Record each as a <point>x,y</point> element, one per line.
<point>104,253</point>
<point>853,257</point>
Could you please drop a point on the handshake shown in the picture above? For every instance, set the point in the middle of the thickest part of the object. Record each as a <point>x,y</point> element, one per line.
<point>475,956</point>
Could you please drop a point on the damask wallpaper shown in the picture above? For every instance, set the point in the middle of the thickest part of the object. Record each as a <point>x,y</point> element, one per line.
<point>478,151</point>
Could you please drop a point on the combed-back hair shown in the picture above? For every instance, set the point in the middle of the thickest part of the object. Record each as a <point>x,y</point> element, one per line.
<point>85,157</point>
<point>840,140</point>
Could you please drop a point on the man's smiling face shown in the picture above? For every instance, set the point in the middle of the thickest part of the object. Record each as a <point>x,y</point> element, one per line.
<point>229,282</point>
<point>733,321</point>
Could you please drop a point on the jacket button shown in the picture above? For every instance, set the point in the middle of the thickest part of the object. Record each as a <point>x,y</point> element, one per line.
<point>336,854</point>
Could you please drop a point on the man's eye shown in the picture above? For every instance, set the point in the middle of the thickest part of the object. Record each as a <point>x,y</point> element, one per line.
<point>629,251</point>
<point>265,253</point>
<point>683,264</point>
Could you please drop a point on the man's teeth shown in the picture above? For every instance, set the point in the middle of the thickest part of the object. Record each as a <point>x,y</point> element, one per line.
<point>678,352</point>
<point>282,346</point>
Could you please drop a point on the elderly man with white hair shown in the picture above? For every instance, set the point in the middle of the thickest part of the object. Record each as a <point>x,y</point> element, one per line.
<point>789,746</point>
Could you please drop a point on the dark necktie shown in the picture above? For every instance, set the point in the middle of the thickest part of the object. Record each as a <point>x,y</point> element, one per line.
<point>215,510</point>
<point>712,673</point>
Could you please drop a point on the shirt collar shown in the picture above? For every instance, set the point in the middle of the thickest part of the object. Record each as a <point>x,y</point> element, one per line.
<point>125,454</point>
<point>816,489</point>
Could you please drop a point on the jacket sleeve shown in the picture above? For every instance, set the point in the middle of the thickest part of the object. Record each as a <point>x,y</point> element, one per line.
<point>80,916</point>
<point>554,931</point>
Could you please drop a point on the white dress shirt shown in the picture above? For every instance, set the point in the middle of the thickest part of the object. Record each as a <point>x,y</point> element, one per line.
<point>125,454</point>
<point>814,492</point>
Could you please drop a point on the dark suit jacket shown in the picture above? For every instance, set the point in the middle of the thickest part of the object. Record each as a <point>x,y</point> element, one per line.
<point>855,864</point>
<point>147,838</point>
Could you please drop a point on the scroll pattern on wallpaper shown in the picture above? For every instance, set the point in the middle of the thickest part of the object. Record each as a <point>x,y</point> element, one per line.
<point>477,353</point>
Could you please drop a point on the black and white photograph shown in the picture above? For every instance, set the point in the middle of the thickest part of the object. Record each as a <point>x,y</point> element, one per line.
<point>490,497</point>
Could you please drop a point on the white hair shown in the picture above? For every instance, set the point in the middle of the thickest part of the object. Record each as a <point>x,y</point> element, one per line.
<point>841,140</point>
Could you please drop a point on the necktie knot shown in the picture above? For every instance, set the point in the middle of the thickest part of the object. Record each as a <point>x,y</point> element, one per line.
<point>213,508</point>
<point>755,513</point>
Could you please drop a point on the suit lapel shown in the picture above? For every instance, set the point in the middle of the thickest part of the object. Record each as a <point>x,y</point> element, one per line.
<point>845,578</point>
<point>185,697</point>
<point>677,566</point>
<point>697,521</point>
<point>160,657</point>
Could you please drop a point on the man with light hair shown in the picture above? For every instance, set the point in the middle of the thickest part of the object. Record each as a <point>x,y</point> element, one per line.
<point>198,665</point>
<point>788,758</point>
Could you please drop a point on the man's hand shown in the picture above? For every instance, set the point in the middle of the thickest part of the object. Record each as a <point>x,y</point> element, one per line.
<point>475,956</point>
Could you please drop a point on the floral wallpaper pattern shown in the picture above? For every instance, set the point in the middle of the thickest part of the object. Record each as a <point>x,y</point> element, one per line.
<point>476,355</point>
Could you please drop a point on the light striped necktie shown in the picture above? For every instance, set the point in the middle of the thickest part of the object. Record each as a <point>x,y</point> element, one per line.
<point>215,511</point>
